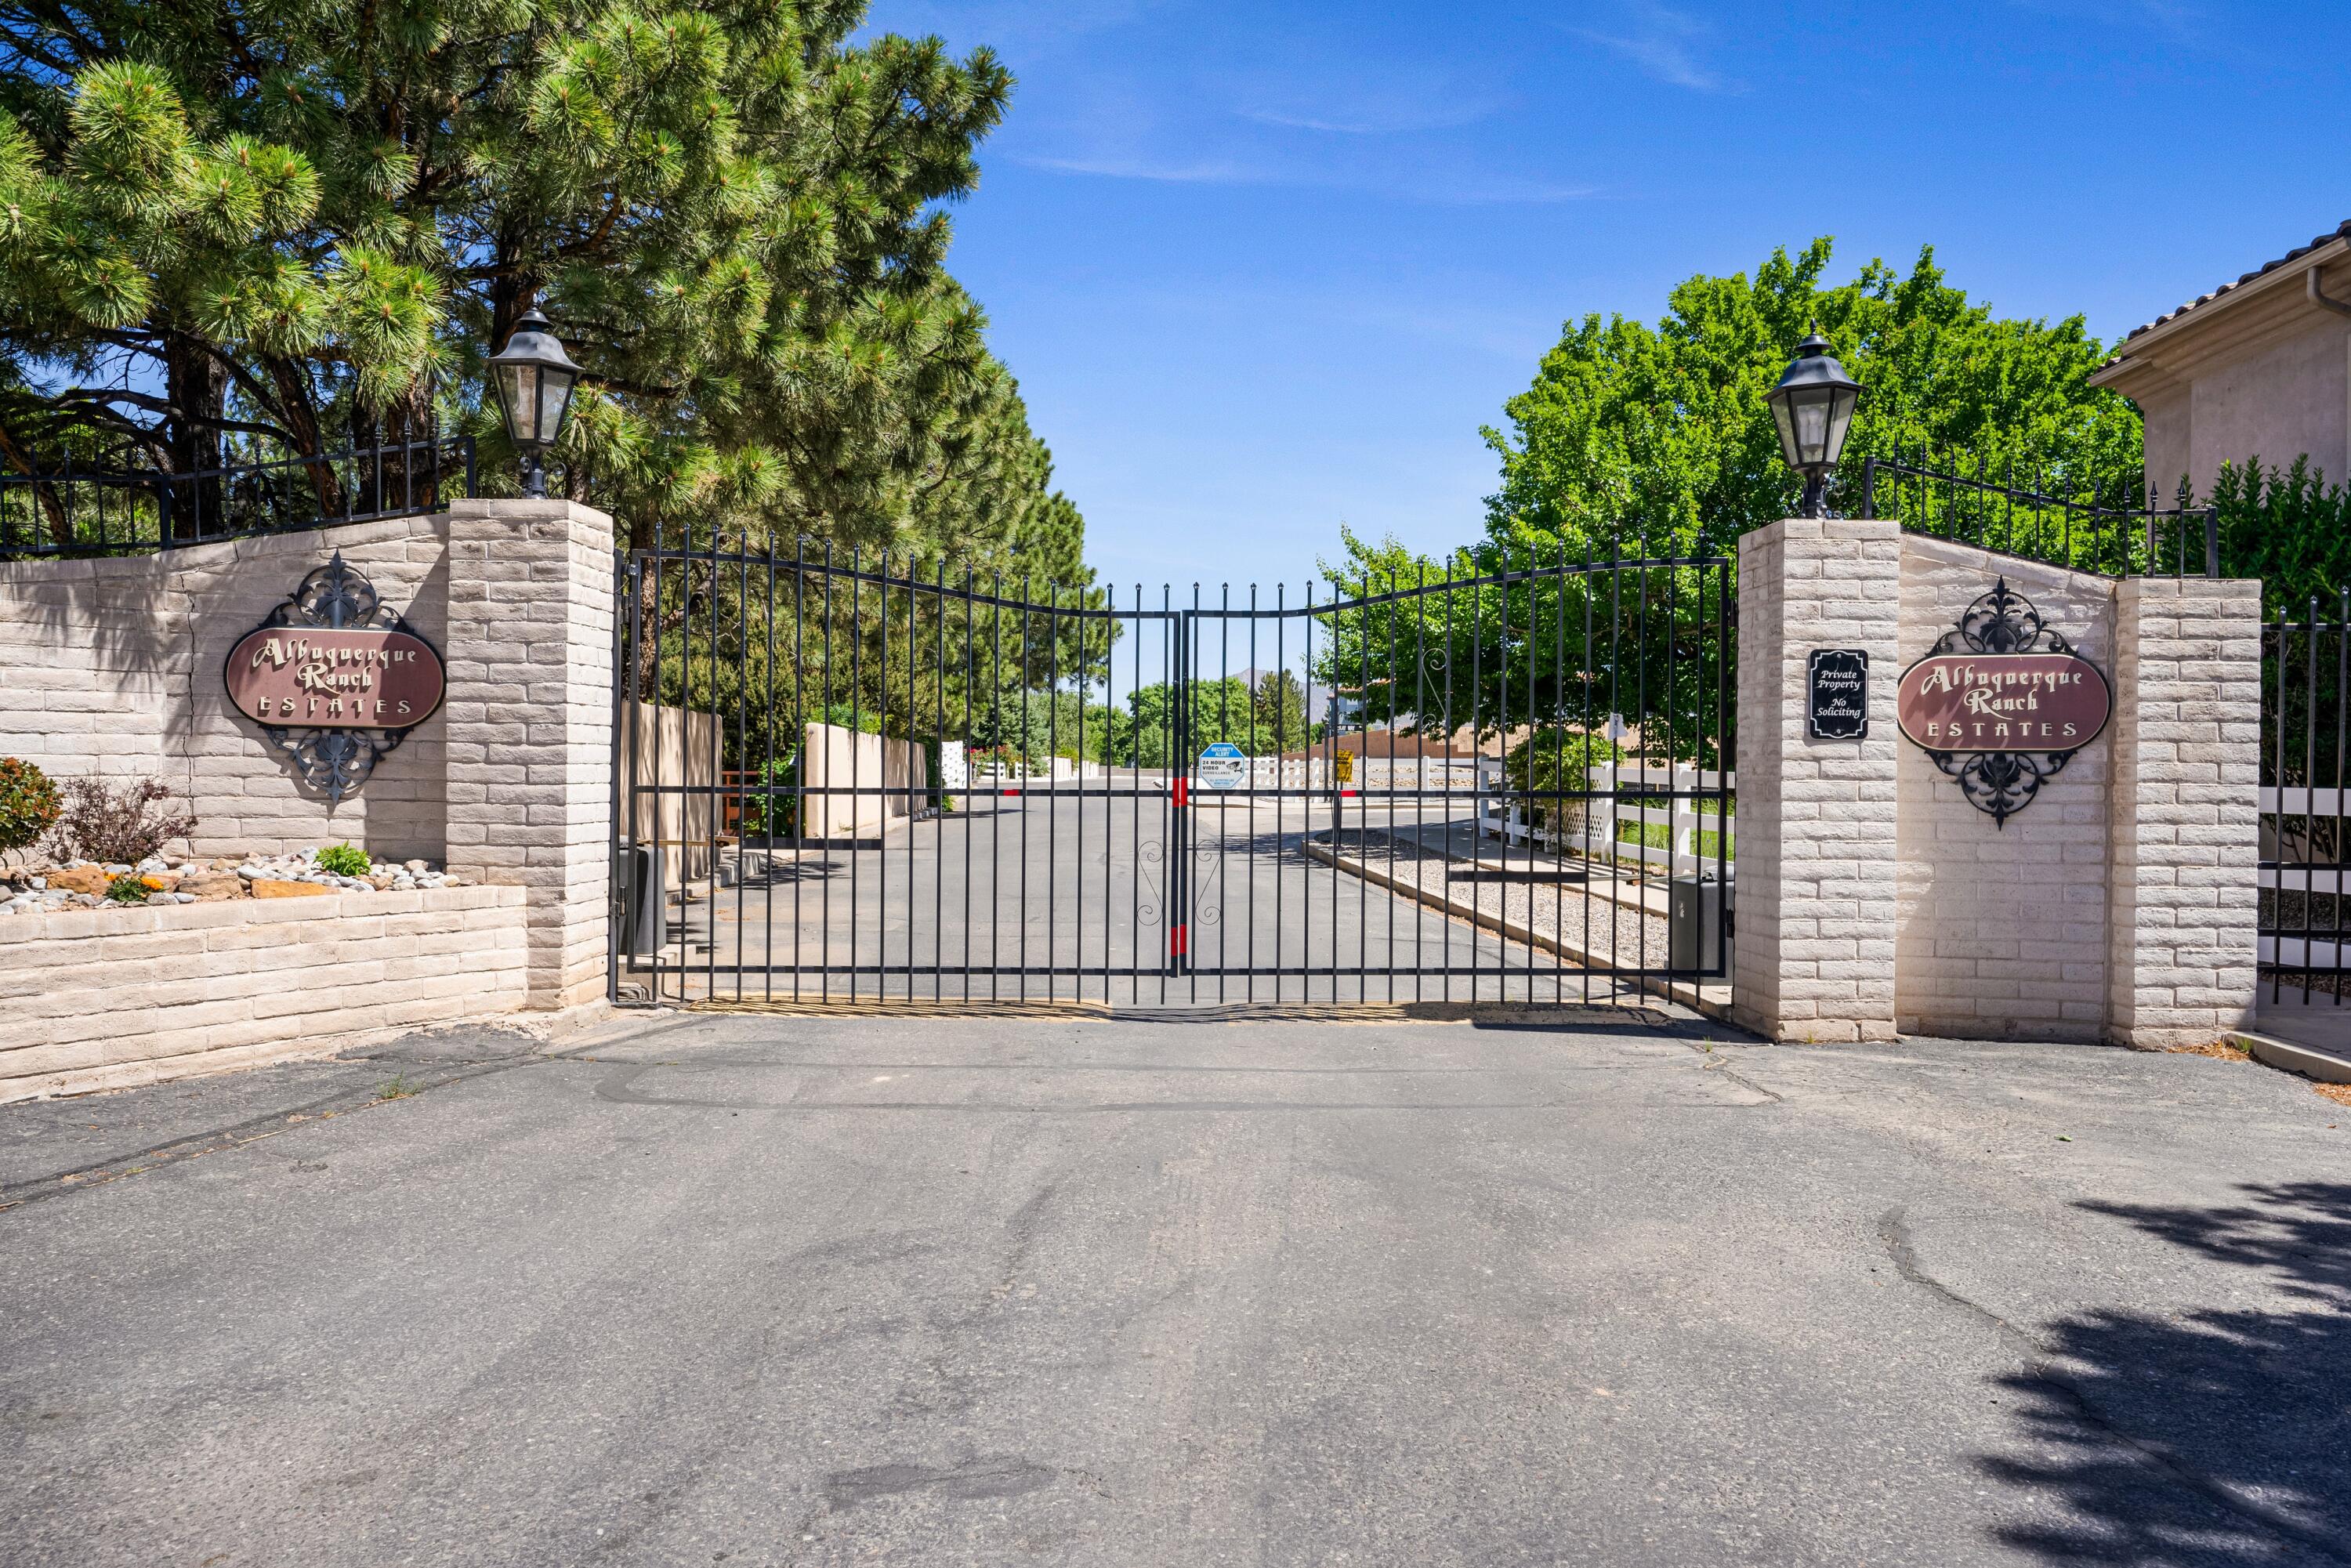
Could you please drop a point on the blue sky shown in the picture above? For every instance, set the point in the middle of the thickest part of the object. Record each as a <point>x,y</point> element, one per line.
<point>1263,269</point>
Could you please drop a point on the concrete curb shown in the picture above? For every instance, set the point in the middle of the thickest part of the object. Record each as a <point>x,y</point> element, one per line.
<point>1683,992</point>
<point>2283,1054</point>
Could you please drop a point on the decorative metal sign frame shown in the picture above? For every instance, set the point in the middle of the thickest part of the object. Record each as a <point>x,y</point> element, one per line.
<point>338,600</point>
<point>2003,627</point>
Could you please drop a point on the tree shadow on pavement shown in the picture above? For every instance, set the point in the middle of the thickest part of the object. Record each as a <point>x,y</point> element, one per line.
<point>2216,1435</point>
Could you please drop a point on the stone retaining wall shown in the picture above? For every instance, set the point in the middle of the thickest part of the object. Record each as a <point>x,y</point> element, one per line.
<point>103,998</point>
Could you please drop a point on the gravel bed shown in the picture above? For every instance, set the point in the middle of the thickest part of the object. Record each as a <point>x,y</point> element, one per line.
<point>43,887</point>
<point>1576,913</point>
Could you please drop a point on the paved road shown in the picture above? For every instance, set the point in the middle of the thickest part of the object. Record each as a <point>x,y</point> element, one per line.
<point>767,1292</point>
<point>1006,893</point>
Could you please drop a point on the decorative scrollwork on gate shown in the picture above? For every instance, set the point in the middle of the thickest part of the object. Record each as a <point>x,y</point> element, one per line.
<point>1207,893</point>
<point>1147,872</point>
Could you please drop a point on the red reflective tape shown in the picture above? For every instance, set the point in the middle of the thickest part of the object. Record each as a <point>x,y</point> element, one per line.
<point>1179,800</point>
<point>1178,935</point>
<point>1011,794</point>
<point>1346,791</point>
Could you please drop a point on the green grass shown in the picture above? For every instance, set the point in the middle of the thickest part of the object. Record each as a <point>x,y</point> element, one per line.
<point>1658,836</point>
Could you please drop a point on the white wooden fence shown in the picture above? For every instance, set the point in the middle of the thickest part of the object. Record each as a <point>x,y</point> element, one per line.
<point>1685,851</point>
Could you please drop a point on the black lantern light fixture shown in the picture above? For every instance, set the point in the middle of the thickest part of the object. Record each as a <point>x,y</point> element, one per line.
<point>1812,406</point>
<point>533,378</point>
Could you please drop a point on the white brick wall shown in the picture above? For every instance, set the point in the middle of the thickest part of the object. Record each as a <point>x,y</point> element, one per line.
<point>103,998</point>
<point>2185,816</point>
<point>1814,954</point>
<point>529,724</point>
<point>2118,905</point>
<point>2002,929</point>
<point>114,666</point>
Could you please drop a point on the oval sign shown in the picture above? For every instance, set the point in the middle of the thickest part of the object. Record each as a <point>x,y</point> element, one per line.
<point>2003,701</point>
<point>312,676</point>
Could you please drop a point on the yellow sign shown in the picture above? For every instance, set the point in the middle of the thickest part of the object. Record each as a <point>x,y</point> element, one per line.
<point>1344,762</point>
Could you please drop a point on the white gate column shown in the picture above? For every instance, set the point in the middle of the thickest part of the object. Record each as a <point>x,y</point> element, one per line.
<point>1812,955</point>
<point>2184,833</point>
<point>529,711</point>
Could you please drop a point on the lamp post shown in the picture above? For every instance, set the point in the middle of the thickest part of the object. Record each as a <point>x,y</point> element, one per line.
<point>1812,405</point>
<point>534,379</point>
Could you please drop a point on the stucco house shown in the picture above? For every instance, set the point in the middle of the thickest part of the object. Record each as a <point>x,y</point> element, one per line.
<point>2260,366</point>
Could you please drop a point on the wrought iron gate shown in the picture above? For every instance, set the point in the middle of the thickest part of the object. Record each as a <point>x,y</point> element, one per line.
<point>874,782</point>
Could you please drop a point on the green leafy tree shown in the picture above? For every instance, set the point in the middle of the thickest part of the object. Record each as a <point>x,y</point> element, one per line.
<point>1552,763</point>
<point>1279,704</point>
<point>1636,439</point>
<point>1501,638</point>
<point>1221,710</point>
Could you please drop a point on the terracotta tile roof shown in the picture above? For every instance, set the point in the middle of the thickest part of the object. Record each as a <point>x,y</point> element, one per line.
<point>2341,230</point>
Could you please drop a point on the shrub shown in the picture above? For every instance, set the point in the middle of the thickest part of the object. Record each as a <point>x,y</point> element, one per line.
<point>28,804</point>
<point>117,823</point>
<point>1557,758</point>
<point>126,890</point>
<point>344,860</point>
<point>780,774</point>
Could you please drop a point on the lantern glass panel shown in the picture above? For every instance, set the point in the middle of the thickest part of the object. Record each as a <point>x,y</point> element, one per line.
<point>1783,417</point>
<point>519,390</point>
<point>554,403</point>
<point>1840,420</point>
<point>1811,417</point>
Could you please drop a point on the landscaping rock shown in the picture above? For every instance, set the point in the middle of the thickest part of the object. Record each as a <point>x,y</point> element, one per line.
<point>83,878</point>
<point>212,884</point>
<point>271,887</point>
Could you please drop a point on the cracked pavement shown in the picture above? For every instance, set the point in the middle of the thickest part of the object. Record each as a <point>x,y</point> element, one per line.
<point>1605,1286</point>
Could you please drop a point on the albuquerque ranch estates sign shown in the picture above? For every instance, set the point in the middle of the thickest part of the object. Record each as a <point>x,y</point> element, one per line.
<point>335,678</point>
<point>2002,702</point>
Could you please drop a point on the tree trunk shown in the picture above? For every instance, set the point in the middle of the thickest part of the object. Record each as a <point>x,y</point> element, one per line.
<point>398,460</point>
<point>300,417</point>
<point>61,526</point>
<point>196,385</point>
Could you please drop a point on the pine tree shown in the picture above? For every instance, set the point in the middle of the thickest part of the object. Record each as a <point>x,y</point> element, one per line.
<point>308,223</point>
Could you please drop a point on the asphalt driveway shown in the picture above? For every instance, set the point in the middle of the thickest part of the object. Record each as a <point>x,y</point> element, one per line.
<point>759,1290</point>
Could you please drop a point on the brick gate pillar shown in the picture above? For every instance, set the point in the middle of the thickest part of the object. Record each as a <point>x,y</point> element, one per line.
<point>2184,830</point>
<point>530,715</point>
<point>1813,955</point>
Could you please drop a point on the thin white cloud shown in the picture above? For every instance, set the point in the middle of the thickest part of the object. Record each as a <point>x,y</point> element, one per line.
<point>1664,44</point>
<point>1147,169</point>
<point>1470,191</point>
<point>1391,117</point>
<point>1302,122</point>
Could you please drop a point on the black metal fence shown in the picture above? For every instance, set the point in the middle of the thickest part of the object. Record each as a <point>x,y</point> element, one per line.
<point>874,782</point>
<point>121,510</point>
<point>2041,516</point>
<point>2306,672</point>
